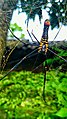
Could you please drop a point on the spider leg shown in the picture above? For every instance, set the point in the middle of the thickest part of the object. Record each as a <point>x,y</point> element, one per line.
<point>33,41</point>
<point>56,34</point>
<point>44,82</point>
<point>44,67</point>
<point>57,55</point>
<point>35,61</point>
<point>13,33</point>
<point>5,61</point>
<point>43,61</point>
<point>28,30</point>
<point>15,66</point>
<point>35,37</point>
<point>30,35</point>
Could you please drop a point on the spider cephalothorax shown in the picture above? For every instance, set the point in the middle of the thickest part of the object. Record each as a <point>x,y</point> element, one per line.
<point>45,29</point>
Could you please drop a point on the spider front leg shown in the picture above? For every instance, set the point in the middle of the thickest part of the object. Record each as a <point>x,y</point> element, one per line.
<point>30,35</point>
<point>35,37</point>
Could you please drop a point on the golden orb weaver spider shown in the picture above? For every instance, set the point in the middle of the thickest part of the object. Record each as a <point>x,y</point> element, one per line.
<point>41,48</point>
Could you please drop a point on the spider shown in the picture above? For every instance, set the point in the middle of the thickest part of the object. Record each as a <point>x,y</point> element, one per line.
<point>42,48</point>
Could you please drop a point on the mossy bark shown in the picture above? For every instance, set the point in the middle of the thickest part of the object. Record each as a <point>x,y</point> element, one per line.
<point>3,35</point>
<point>6,11</point>
<point>2,44</point>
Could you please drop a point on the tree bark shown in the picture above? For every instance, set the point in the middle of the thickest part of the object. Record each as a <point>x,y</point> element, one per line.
<point>6,11</point>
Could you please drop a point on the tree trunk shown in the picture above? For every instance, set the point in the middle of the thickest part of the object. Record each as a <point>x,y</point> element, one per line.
<point>6,11</point>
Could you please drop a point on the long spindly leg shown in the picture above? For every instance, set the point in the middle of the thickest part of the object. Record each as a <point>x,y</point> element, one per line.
<point>15,66</point>
<point>28,31</point>
<point>12,32</point>
<point>23,43</point>
<point>56,35</point>
<point>5,60</point>
<point>57,55</point>
<point>33,41</point>
<point>35,37</point>
<point>30,35</point>
<point>44,68</point>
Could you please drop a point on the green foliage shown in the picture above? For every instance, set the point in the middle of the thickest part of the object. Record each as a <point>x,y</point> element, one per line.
<point>21,96</point>
<point>31,8</point>
<point>14,27</point>
<point>57,13</point>
<point>55,9</point>
<point>54,61</point>
<point>62,112</point>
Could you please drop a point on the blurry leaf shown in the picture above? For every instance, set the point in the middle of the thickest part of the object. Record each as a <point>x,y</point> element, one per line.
<point>22,36</point>
<point>15,27</point>
<point>56,10</point>
<point>62,112</point>
<point>49,61</point>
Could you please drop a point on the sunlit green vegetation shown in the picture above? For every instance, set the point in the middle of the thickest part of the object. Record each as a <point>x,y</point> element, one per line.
<point>15,28</point>
<point>21,96</point>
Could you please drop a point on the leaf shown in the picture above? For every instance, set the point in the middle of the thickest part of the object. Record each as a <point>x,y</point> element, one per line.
<point>22,36</point>
<point>62,112</point>
<point>15,27</point>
